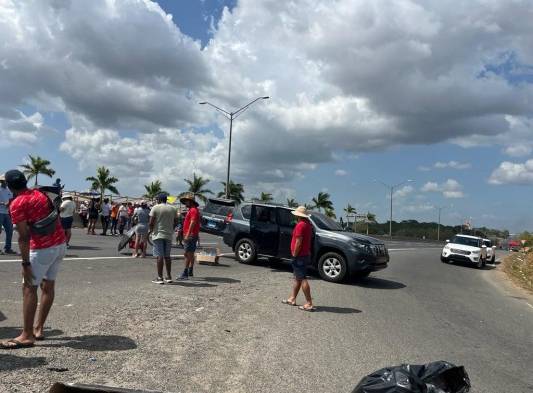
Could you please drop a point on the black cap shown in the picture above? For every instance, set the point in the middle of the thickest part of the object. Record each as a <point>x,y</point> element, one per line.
<point>15,179</point>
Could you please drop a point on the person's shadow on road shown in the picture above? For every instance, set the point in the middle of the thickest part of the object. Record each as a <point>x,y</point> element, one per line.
<point>11,362</point>
<point>94,343</point>
<point>379,283</point>
<point>337,310</point>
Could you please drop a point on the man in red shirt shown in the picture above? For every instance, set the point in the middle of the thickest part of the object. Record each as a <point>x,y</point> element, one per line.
<point>191,232</point>
<point>41,255</point>
<point>302,237</point>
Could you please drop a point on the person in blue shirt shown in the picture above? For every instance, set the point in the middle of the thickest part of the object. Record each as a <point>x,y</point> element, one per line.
<point>5,218</point>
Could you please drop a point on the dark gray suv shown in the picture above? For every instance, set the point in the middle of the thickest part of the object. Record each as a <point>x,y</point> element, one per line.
<point>264,230</point>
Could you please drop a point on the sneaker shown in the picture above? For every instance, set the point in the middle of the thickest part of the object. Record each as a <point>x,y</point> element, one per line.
<point>184,276</point>
<point>158,280</point>
<point>168,280</point>
<point>190,272</point>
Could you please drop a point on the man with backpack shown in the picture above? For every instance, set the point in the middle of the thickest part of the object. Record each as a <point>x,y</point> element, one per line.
<point>42,247</point>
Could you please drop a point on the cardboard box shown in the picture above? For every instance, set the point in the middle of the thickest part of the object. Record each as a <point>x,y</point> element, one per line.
<point>208,256</point>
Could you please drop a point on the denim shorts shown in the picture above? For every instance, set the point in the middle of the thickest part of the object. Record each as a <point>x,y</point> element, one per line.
<point>162,248</point>
<point>299,267</point>
<point>191,244</point>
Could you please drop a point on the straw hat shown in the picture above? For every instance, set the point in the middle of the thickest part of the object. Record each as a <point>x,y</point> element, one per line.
<point>301,211</point>
<point>188,196</point>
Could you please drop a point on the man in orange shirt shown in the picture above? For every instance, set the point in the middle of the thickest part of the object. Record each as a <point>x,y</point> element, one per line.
<point>114,218</point>
<point>302,237</point>
<point>191,232</point>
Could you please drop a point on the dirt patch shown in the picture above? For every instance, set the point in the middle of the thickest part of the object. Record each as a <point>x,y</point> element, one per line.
<point>519,267</point>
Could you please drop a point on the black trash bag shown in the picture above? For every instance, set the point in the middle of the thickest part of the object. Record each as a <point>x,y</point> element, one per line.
<point>436,377</point>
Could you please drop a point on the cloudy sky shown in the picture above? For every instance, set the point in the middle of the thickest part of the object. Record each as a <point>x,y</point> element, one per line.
<point>434,91</point>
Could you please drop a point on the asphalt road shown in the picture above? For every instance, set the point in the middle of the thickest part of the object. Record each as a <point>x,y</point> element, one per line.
<point>227,331</point>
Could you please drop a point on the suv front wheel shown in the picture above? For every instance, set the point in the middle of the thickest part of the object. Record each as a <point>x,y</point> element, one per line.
<point>332,267</point>
<point>245,251</point>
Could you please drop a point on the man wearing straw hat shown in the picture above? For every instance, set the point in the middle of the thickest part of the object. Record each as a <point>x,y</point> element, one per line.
<point>191,232</point>
<point>302,236</point>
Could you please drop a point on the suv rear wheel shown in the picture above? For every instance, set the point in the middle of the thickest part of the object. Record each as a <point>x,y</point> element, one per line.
<point>332,267</point>
<point>245,251</point>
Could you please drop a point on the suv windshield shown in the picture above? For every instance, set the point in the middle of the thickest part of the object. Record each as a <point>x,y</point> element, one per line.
<point>465,241</point>
<point>324,222</point>
<point>487,243</point>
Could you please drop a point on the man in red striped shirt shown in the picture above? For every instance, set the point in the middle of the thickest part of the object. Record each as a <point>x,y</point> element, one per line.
<point>302,238</point>
<point>41,254</point>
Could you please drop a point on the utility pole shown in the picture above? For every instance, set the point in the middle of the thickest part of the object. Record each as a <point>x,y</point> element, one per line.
<point>391,188</point>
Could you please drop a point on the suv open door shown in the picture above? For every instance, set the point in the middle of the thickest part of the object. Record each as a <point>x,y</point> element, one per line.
<point>264,229</point>
<point>287,222</point>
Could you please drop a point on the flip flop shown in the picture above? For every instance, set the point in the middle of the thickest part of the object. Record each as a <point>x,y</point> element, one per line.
<point>288,303</point>
<point>310,309</point>
<point>15,344</point>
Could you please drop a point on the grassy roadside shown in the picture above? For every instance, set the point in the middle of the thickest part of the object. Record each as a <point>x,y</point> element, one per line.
<point>519,267</point>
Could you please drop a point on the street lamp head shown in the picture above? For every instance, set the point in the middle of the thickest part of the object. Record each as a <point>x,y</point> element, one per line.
<point>203,103</point>
<point>265,97</point>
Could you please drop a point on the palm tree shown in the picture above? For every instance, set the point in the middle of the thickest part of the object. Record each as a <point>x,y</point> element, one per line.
<point>153,189</point>
<point>322,201</point>
<point>330,213</point>
<point>236,191</point>
<point>103,181</point>
<point>308,206</point>
<point>196,186</point>
<point>266,197</point>
<point>291,202</point>
<point>37,166</point>
<point>370,217</point>
<point>350,211</point>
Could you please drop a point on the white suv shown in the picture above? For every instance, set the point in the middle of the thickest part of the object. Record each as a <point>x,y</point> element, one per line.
<point>491,251</point>
<point>465,248</point>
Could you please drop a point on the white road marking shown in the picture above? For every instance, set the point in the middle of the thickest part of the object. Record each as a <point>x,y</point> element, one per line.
<point>529,305</point>
<point>414,249</point>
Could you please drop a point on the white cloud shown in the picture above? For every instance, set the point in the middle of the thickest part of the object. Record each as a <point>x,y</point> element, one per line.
<point>451,188</point>
<point>513,173</point>
<point>341,172</point>
<point>452,165</point>
<point>404,191</point>
<point>124,65</point>
<point>424,207</point>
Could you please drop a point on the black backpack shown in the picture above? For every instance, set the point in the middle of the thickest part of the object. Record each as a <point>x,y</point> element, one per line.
<point>47,225</point>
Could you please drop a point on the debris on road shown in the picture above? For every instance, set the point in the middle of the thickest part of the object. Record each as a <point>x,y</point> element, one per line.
<point>436,377</point>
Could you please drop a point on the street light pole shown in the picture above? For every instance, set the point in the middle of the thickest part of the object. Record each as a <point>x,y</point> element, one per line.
<point>231,116</point>
<point>439,208</point>
<point>391,188</point>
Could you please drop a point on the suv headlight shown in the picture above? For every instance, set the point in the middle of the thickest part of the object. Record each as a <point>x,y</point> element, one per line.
<point>476,252</point>
<point>364,248</point>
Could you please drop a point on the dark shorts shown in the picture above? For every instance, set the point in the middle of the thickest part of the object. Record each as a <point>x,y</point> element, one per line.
<point>66,222</point>
<point>191,244</point>
<point>299,267</point>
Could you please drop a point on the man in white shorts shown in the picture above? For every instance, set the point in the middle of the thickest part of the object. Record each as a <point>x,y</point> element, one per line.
<point>41,250</point>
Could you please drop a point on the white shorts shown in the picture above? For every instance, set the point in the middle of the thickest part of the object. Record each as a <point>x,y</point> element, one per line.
<point>45,263</point>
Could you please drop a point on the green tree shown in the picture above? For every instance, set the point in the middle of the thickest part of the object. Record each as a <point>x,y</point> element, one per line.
<point>236,191</point>
<point>322,201</point>
<point>370,218</point>
<point>266,197</point>
<point>330,213</point>
<point>350,211</point>
<point>36,166</point>
<point>153,189</point>
<point>103,181</point>
<point>196,186</point>
<point>291,202</point>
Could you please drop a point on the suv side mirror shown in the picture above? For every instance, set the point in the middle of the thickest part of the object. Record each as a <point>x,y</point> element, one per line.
<point>447,240</point>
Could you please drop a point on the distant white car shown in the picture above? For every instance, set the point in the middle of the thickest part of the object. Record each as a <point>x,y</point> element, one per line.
<point>465,248</point>
<point>491,251</point>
